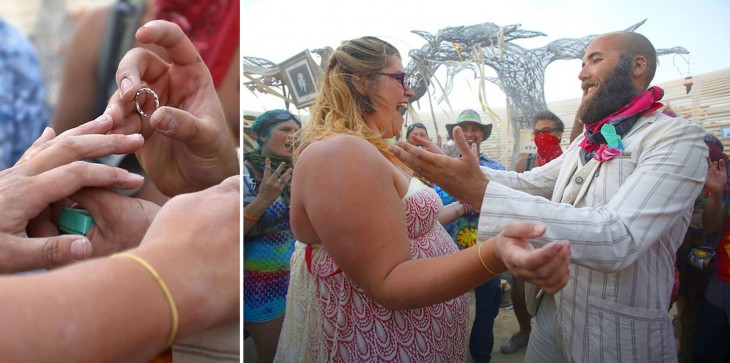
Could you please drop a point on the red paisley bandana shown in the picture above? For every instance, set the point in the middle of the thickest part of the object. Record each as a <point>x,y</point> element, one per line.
<point>212,25</point>
<point>548,148</point>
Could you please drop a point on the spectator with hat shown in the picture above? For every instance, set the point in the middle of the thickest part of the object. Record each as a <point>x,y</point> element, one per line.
<point>463,231</point>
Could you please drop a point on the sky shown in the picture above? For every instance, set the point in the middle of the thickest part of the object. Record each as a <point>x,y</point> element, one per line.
<point>277,30</point>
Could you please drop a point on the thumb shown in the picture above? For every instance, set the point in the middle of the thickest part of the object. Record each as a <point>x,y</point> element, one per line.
<point>182,126</point>
<point>19,254</point>
<point>524,229</point>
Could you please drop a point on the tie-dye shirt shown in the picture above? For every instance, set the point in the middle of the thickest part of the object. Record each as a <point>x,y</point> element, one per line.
<point>267,249</point>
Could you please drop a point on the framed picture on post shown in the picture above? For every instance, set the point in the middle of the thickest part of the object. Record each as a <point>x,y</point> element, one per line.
<point>300,74</point>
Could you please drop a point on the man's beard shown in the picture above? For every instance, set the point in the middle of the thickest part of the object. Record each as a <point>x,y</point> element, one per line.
<point>612,94</point>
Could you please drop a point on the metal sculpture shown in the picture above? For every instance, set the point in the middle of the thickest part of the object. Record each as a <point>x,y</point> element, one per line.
<point>520,71</point>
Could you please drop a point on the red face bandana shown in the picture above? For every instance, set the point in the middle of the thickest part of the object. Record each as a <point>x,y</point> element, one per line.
<point>548,148</point>
<point>212,25</point>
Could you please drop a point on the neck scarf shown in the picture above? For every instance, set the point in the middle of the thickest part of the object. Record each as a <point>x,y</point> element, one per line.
<point>259,162</point>
<point>548,148</point>
<point>595,143</point>
<point>212,25</point>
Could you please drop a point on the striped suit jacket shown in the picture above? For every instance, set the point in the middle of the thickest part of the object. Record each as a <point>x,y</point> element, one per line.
<point>625,218</point>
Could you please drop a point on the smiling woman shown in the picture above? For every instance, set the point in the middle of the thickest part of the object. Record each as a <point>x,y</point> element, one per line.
<point>372,263</point>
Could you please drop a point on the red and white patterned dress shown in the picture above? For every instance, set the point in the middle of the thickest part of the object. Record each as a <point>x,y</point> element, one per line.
<point>330,319</point>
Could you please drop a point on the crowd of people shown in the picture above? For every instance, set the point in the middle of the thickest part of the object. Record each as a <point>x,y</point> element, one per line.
<point>386,240</point>
<point>356,248</point>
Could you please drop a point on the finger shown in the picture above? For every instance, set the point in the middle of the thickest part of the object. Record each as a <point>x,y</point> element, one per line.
<point>60,182</point>
<point>530,264</point>
<point>23,254</point>
<point>286,177</point>
<point>721,166</point>
<point>100,125</point>
<point>427,144</point>
<point>74,148</point>
<point>554,275</point>
<point>280,169</point>
<point>136,65</point>
<point>525,229</point>
<point>267,168</point>
<point>180,125</point>
<point>177,45</point>
<point>421,161</point>
<point>37,145</point>
<point>463,146</point>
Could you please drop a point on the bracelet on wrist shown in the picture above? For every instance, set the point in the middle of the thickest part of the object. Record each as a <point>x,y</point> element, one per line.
<point>250,218</point>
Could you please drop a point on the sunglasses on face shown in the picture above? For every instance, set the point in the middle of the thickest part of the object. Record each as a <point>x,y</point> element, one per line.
<point>417,124</point>
<point>545,130</point>
<point>402,77</point>
<point>284,116</point>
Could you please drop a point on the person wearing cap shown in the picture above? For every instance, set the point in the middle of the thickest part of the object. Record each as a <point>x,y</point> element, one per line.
<point>706,222</point>
<point>463,230</point>
<point>269,241</point>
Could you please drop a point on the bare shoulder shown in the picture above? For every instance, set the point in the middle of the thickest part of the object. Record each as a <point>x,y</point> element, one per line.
<point>340,149</point>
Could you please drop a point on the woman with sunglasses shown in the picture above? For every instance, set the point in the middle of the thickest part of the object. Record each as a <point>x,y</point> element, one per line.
<point>375,277</point>
<point>268,242</point>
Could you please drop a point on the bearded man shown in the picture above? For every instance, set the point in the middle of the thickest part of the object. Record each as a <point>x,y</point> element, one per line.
<point>622,194</point>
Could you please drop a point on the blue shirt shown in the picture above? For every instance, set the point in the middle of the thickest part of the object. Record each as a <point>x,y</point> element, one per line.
<point>24,112</point>
<point>463,230</point>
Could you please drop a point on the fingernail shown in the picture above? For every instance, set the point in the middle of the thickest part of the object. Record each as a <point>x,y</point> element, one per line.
<point>132,177</point>
<point>80,249</point>
<point>46,132</point>
<point>134,136</point>
<point>124,85</point>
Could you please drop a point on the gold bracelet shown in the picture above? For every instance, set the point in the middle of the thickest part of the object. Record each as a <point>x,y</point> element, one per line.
<point>170,300</point>
<point>479,253</point>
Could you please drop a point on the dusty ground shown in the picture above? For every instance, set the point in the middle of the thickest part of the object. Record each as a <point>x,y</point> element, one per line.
<point>504,326</point>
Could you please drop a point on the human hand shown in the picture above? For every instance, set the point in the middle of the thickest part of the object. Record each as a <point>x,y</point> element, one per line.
<point>272,183</point>
<point>51,170</point>
<point>18,254</point>
<point>716,177</point>
<point>188,143</point>
<point>547,267</point>
<point>460,177</point>
<point>120,222</point>
<point>427,145</point>
<point>207,246</point>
